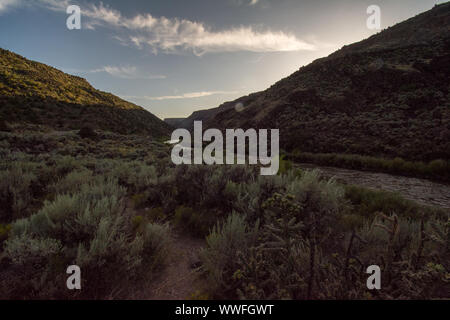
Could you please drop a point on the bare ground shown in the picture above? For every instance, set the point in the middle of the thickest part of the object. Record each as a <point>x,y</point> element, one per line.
<point>180,279</point>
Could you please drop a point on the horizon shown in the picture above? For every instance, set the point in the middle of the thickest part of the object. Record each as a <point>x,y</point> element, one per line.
<point>175,58</point>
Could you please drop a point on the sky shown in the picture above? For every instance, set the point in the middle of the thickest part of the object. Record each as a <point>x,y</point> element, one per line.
<point>174,57</point>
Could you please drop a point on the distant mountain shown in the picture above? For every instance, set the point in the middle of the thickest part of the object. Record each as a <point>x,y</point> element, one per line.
<point>388,95</point>
<point>174,122</point>
<point>32,92</point>
<point>188,123</point>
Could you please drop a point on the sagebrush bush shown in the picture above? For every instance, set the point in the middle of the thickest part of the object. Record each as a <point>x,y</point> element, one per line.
<point>29,252</point>
<point>197,222</point>
<point>87,133</point>
<point>16,193</point>
<point>89,228</point>
<point>72,182</point>
<point>65,164</point>
<point>157,241</point>
<point>4,234</point>
<point>136,176</point>
<point>225,243</point>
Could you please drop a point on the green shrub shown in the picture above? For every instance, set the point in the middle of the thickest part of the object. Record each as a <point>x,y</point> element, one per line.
<point>4,234</point>
<point>285,165</point>
<point>87,133</point>
<point>137,222</point>
<point>111,259</point>
<point>72,182</point>
<point>249,198</point>
<point>135,176</point>
<point>88,228</point>
<point>204,186</point>
<point>16,194</point>
<point>367,202</point>
<point>66,164</point>
<point>439,168</point>
<point>139,200</point>
<point>195,221</point>
<point>4,126</point>
<point>156,214</point>
<point>157,240</point>
<point>30,252</point>
<point>225,243</point>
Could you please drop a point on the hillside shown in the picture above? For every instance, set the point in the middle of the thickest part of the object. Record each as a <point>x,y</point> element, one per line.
<point>386,96</point>
<point>174,122</point>
<point>32,92</point>
<point>188,123</point>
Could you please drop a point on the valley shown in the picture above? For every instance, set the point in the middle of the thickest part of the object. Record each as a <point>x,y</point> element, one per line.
<point>87,179</point>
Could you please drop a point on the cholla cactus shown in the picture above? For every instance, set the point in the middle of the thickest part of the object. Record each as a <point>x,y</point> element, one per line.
<point>392,227</point>
<point>440,233</point>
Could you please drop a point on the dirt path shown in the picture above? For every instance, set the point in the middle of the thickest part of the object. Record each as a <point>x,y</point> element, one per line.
<point>180,279</point>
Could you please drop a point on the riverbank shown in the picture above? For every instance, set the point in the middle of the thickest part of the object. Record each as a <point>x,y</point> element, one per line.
<point>421,191</point>
<point>436,170</point>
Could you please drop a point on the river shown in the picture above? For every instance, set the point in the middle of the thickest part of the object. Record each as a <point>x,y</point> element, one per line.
<point>419,190</point>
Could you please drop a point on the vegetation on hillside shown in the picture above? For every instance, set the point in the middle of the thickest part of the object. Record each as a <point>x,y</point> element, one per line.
<point>387,96</point>
<point>31,92</point>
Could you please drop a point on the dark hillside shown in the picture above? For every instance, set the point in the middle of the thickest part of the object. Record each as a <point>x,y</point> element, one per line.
<point>31,92</point>
<point>385,96</point>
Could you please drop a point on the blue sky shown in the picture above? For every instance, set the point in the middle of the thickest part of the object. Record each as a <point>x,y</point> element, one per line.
<point>173,57</point>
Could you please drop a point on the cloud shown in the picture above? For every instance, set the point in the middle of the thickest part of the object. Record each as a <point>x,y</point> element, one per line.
<point>7,4</point>
<point>245,2</point>
<point>55,5</point>
<point>190,95</point>
<point>124,72</point>
<point>174,35</point>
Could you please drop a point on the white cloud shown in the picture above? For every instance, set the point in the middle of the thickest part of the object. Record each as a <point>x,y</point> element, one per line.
<point>7,4</point>
<point>124,72</point>
<point>245,2</point>
<point>190,95</point>
<point>55,5</point>
<point>127,72</point>
<point>174,35</point>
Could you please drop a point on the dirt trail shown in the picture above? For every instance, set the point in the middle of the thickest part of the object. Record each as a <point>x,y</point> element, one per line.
<point>180,278</point>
